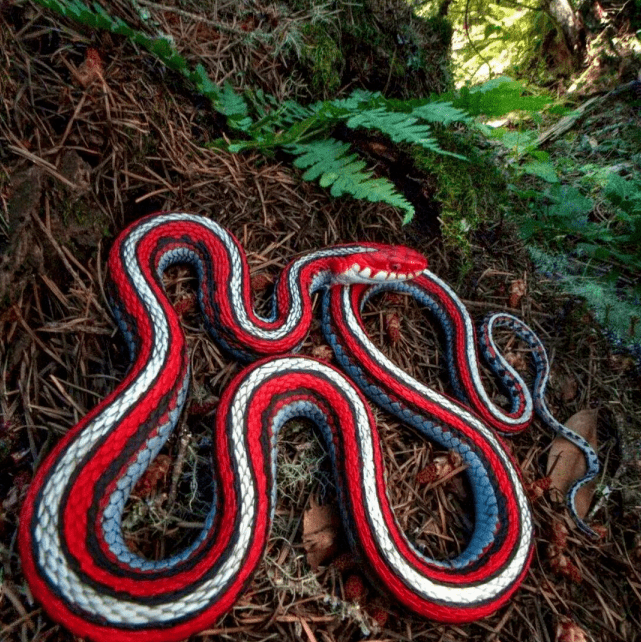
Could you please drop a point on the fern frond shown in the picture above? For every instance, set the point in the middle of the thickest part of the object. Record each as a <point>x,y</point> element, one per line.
<point>328,162</point>
<point>359,99</point>
<point>400,127</point>
<point>305,131</point>
<point>616,308</point>
<point>499,96</point>
<point>441,112</point>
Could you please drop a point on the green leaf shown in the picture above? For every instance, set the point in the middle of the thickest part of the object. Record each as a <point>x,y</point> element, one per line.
<point>400,127</point>
<point>203,82</point>
<point>441,112</point>
<point>520,142</point>
<point>539,155</point>
<point>162,48</point>
<point>546,171</point>
<point>329,162</point>
<point>231,102</point>
<point>500,96</point>
<point>568,202</point>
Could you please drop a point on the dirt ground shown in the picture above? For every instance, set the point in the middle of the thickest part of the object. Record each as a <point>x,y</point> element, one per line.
<point>79,160</point>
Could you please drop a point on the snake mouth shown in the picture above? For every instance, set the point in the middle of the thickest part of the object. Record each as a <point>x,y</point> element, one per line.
<point>358,274</point>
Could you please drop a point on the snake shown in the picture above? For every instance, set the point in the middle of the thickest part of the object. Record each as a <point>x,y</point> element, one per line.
<point>388,387</point>
<point>74,554</point>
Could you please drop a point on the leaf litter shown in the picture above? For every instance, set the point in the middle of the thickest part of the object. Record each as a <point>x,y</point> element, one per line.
<point>566,462</point>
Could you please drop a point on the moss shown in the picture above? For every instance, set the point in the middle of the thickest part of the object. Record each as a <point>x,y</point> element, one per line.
<point>323,59</point>
<point>76,211</point>
<point>470,192</point>
<point>379,45</point>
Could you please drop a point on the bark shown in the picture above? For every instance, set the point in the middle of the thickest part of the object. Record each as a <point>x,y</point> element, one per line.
<point>571,25</point>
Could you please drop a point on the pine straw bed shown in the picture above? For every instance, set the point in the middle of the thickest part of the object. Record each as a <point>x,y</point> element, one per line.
<point>78,164</point>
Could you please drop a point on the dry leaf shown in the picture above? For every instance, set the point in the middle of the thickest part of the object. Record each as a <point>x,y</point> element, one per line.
<point>203,406</point>
<point>537,488</point>
<point>393,298</point>
<point>355,589</point>
<point>379,615</point>
<point>185,305</point>
<point>261,281</point>
<point>323,352</point>
<point>152,477</point>
<point>321,525</point>
<point>569,631</point>
<point>91,69</point>
<point>345,562</point>
<point>560,563</point>
<point>517,361</point>
<point>393,325</point>
<point>569,388</point>
<point>440,468</point>
<point>566,463</point>
<point>517,292</point>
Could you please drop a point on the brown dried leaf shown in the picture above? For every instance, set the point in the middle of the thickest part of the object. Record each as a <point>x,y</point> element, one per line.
<point>91,69</point>
<point>152,477</point>
<point>379,615</point>
<point>569,388</point>
<point>321,525</point>
<point>186,304</point>
<point>566,463</point>
<point>393,298</point>
<point>323,352</point>
<point>355,589</point>
<point>442,466</point>
<point>517,292</point>
<point>569,631</point>
<point>517,361</point>
<point>261,281</point>
<point>393,325</point>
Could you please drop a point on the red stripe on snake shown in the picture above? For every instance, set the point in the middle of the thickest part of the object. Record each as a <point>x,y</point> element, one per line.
<point>70,538</point>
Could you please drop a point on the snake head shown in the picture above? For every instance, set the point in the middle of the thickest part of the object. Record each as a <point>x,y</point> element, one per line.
<point>378,263</point>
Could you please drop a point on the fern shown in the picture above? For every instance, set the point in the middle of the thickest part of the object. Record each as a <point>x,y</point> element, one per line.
<point>329,163</point>
<point>400,127</point>
<point>497,97</point>
<point>304,131</point>
<point>616,306</point>
<point>441,112</point>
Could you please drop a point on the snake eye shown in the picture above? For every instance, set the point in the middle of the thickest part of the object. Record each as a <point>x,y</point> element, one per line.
<point>396,267</point>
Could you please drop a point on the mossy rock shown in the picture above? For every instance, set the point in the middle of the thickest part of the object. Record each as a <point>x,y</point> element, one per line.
<point>376,45</point>
<point>467,198</point>
<point>323,60</point>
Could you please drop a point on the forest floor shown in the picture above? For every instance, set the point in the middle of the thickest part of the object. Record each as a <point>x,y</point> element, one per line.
<point>84,154</point>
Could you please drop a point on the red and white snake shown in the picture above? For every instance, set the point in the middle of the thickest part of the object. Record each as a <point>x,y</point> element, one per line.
<point>71,543</point>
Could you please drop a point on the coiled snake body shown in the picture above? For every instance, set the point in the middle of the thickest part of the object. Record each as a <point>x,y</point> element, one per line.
<point>71,542</point>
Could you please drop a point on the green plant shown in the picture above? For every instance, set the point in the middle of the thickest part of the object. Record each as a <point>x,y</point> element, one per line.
<point>306,132</point>
<point>614,300</point>
<point>324,59</point>
<point>597,258</point>
<point>560,216</point>
<point>469,192</point>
